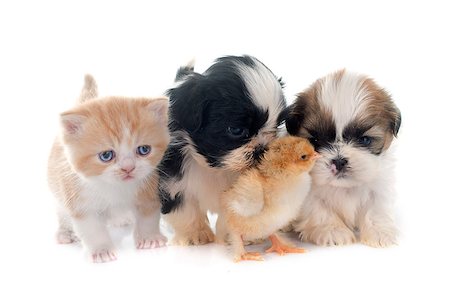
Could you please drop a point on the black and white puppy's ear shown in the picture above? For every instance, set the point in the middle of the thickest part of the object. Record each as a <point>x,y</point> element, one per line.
<point>185,71</point>
<point>295,115</point>
<point>187,102</point>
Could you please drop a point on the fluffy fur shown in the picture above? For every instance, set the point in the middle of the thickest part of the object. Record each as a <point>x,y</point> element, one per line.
<point>351,122</point>
<point>91,191</point>
<point>221,122</point>
<point>267,197</point>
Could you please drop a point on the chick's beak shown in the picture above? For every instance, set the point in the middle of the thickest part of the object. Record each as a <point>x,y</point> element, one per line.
<point>316,156</point>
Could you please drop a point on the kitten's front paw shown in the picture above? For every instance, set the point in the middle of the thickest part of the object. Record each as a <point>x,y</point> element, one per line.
<point>329,235</point>
<point>150,242</point>
<point>379,238</point>
<point>64,236</point>
<point>195,237</point>
<point>103,255</point>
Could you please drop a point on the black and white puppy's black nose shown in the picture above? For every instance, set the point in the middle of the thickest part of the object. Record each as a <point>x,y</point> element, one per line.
<point>339,163</point>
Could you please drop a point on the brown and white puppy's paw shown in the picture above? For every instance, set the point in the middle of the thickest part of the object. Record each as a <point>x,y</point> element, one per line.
<point>328,235</point>
<point>379,238</point>
<point>379,232</point>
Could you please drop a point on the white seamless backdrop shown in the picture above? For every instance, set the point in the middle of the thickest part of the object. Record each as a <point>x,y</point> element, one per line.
<point>134,48</point>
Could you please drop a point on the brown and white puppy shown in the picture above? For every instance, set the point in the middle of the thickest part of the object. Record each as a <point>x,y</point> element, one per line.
<point>351,122</point>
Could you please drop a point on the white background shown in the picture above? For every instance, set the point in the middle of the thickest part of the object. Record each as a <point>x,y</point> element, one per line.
<point>134,49</point>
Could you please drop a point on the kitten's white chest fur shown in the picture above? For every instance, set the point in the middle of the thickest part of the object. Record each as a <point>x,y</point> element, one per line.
<point>107,198</point>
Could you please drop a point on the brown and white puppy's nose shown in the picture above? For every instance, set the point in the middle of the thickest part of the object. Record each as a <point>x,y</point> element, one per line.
<point>338,164</point>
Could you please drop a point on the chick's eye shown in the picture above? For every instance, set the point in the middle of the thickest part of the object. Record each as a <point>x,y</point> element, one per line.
<point>143,150</point>
<point>106,156</point>
<point>304,157</point>
<point>365,140</point>
<point>237,132</point>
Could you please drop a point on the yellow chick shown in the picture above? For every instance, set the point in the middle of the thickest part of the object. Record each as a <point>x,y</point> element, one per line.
<point>267,197</point>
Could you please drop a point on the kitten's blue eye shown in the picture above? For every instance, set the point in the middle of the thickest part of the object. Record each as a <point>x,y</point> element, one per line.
<point>106,156</point>
<point>365,140</point>
<point>143,150</point>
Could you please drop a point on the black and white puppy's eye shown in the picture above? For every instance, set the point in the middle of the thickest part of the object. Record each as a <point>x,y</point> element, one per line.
<point>237,132</point>
<point>365,140</point>
<point>313,140</point>
<point>143,150</point>
<point>106,156</point>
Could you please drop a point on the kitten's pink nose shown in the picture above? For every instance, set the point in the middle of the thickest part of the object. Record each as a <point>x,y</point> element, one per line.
<point>127,166</point>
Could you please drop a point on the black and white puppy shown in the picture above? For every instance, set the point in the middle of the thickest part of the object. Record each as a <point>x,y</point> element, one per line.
<point>351,121</point>
<point>221,122</point>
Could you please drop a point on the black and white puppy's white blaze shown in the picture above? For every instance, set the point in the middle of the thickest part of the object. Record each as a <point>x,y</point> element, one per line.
<point>351,121</point>
<point>221,122</point>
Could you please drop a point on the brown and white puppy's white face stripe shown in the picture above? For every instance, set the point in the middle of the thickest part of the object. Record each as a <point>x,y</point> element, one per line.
<point>351,121</point>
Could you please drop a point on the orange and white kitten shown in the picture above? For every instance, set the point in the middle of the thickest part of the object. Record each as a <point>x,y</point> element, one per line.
<point>104,164</point>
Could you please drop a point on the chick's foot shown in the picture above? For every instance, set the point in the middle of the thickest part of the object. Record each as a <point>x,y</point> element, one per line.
<point>281,248</point>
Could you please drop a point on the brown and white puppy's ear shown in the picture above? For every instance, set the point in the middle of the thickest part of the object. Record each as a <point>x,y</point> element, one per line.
<point>295,115</point>
<point>381,114</point>
<point>309,118</point>
<point>395,118</point>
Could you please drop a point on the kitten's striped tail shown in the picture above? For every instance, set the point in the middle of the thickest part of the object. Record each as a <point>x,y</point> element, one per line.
<point>89,90</point>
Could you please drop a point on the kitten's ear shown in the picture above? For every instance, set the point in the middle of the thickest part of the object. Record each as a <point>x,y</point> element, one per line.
<point>72,123</point>
<point>159,107</point>
<point>89,90</point>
